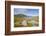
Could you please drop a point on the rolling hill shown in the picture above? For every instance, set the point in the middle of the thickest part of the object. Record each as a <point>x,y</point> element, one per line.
<point>20,15</point>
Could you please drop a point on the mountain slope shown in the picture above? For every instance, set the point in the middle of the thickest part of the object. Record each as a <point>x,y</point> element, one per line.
<point>20,15</point>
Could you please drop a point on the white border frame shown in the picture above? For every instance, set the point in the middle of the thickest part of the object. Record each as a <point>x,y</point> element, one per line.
<point>26,28</point>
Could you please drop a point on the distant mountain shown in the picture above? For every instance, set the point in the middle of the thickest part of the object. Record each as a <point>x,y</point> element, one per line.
<point>20,15</point>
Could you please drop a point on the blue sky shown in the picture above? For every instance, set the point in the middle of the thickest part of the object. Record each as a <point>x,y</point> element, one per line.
<point>28,12</point>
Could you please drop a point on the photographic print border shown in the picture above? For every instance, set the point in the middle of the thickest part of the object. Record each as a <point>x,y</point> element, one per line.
<point>8,16</point>
<point>27,28</point>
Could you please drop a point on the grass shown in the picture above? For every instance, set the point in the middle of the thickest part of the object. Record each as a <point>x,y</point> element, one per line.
<point>17,22</point>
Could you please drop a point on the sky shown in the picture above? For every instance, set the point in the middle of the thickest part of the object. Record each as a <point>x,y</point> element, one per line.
<point>28,12</point>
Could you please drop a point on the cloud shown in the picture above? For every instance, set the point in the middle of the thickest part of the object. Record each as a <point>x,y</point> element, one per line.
<point>20,11</point>
<point>28,12</point>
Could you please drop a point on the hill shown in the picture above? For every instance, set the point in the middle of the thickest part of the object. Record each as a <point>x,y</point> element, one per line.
<point>20,15</point>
